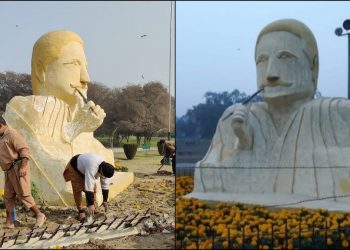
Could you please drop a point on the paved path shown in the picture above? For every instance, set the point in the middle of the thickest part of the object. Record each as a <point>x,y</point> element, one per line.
<point>120,150</point>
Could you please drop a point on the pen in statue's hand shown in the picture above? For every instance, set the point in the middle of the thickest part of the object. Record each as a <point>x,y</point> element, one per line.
<point>245,102</point>
<point>84,98</point>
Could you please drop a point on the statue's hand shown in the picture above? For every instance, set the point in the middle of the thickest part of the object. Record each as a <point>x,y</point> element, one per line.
<point>87,117</point>
<point>90,116</point>
<point>241,128</point>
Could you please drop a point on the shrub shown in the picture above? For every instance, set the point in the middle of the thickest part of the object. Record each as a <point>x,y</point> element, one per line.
<point>130,150</point>
<point>35,191</point>
<point>120,168</point>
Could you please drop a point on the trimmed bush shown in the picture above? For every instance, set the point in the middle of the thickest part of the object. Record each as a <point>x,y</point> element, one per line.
<point>130,150</point>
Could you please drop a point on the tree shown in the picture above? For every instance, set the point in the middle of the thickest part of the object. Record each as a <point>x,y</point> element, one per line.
<point>201,120</point>
<point>13,84</point>
<point>137,110</point>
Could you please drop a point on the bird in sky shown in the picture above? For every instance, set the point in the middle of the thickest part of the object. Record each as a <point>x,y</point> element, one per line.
<point>143,77</point>
<point>16,25</point>
<point>143,35</point>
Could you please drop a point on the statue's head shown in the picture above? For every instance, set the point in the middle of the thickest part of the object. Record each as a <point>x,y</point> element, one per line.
<point>59,65</point>
<point>286,58</point>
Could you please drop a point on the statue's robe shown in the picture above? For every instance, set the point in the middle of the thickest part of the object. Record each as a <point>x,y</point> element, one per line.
<point>42,121</point>
<point>309,158</point>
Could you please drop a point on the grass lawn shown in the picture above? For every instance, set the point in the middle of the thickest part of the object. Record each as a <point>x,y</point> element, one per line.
<point>145,162</point>
<point>153,143</point>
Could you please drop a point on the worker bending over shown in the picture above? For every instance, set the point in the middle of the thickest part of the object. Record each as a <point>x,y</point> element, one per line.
<point>83,170</point>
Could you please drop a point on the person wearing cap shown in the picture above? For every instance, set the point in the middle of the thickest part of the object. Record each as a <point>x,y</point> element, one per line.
<point>83,170</point>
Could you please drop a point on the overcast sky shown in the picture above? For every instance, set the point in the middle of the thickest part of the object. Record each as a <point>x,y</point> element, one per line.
<point>111,31</point>
<point>215,44</point>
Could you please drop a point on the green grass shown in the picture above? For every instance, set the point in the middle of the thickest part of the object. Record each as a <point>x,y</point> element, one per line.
<point>144,162</point>
<point>107,142</point>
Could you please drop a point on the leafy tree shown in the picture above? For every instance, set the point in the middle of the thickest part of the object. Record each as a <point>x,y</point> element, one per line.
<point>201,120</point>
<point>12,84</point>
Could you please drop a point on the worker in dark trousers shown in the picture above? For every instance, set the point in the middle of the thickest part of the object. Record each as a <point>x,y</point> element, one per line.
<point>168,151</point>
<point>83,170</point>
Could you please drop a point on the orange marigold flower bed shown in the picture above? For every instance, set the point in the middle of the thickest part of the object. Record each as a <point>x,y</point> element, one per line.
<point>234,226</point>
<point>184,185</point>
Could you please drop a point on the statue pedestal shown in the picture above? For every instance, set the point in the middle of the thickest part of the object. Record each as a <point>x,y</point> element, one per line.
<point>271,199</point>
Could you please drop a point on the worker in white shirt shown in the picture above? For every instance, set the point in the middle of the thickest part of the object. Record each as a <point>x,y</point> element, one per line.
<point>83,170</point>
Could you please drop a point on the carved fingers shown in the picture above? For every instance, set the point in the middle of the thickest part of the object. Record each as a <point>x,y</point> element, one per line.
<point>87,118</point>
<point>96,110</point>
<point>241,127</point>
<point>240,115</point>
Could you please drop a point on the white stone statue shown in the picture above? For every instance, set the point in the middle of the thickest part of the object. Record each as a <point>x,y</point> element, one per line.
<point>289,148</point>
<point>55,121</point>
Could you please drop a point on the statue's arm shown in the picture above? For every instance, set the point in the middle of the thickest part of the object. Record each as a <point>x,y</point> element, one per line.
<point>241,127</point>
<point>225,140</point>
<point>86,118</point>
<point>340,121</point>
<point>343,109</point>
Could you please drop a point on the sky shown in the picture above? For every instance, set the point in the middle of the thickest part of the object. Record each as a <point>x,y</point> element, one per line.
<point>117,55</point>
<point>215,43</point>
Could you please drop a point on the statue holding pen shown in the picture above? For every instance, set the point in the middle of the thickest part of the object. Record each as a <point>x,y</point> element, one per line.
<point>58,120</point>
<point>290,146</point>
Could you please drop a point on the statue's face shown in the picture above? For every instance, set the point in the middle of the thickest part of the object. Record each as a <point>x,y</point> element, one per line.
<point>283,66</point>
<point>67,72</point>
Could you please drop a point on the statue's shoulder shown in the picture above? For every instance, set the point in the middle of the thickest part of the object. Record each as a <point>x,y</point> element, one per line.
<point>32,103</point>
<point>229,109</point>
<point>19,105</point>
<point>336,102</point>
<point>21,99</point>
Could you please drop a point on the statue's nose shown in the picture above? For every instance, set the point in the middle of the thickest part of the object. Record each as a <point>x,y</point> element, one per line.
<point>84,76</point>
<point>272,74</point>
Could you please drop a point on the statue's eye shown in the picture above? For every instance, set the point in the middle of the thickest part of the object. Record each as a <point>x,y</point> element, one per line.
<point>285,55</point>
<point>75,63</point>
<point>261,59</point>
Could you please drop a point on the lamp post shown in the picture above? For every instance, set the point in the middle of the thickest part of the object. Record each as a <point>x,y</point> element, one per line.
<point>171,17</point>
<point>339,32</point>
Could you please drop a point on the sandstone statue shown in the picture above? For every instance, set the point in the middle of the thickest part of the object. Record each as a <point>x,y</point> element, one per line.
<point>291,148</point>
<point>57,121</point>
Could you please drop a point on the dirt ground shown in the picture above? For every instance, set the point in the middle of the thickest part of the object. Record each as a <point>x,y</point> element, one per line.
<point>150,190</point>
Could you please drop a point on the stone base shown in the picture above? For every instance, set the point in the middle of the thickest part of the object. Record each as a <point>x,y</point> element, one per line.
<point>121,181</point>
<point>272,199</point>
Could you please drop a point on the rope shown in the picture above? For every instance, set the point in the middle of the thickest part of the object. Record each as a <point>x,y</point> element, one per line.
<point>49,181</point>
<point>308,200</point>
<point>334,197</point>
<point>37,165</point>
<point>171,17</point>
<point>269,167</point>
